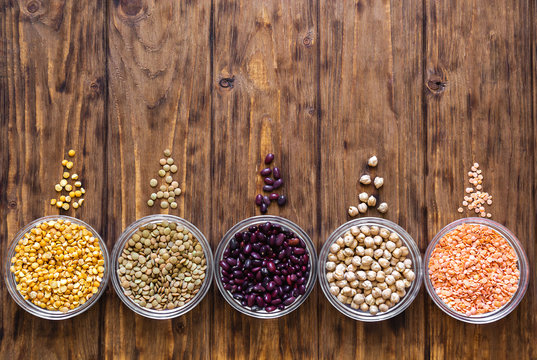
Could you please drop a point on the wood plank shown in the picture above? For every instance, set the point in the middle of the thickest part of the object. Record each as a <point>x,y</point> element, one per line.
<point>479,110</point>
<point>159,71</point>
<point>53,99</point>
<point>269,51</point>
<point>370,88</point>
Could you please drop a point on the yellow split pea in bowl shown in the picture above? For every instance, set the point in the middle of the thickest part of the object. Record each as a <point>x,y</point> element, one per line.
<point>57,267</point>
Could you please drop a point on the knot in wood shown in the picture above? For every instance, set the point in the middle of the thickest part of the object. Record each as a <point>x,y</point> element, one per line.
<point>227,83</point>
<point>436,81</point>
<point>12,204</point>
<point>33,6</point>
<point>131,7</point>
<point>307,41</point>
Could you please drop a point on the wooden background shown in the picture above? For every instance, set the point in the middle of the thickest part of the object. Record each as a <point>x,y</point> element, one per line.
<point>428,86</point>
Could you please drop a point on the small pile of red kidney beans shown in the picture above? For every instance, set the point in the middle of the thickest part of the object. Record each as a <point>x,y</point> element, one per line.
<point>271,184</point>
<point>265,267</point>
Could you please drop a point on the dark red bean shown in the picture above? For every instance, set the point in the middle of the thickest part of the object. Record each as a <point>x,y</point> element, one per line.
<point>263,208</point>
<point>258,199</point>
<point>231,261</point>
<point>269,158</point>
<point>280,239</point>
<point>259,288</point>
<point>267,298</point>
<point>251,300</point>
<point>276,301</point>
<point>268,181</point>
<point>277,183</point>
<point>268,188</point>
<point>282,200</point>
<point>273,196</point>
<point>289,301</point>
<point>260,302</point>
<point>276,172</point>
<point>299,251</point>
<point>270,286</point>
<point>266,172</point>
<point>270,308</point>
<point>266,200</point>
<point>225,265</point>
<point>271,267</point>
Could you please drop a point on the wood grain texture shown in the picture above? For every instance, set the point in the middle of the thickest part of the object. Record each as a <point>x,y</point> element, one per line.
<point>370,87</point>
<point>268,50</point>
<point>428,86</point>
<point>481,113</point>
<point>53,77</point>
<point>159,98</point>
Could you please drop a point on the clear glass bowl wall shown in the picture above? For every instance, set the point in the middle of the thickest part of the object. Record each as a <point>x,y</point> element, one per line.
<point>162,314</point>
<point>258,220</point>
<point>522,265</point>
<point>414,255</point>
<point>30,307</point>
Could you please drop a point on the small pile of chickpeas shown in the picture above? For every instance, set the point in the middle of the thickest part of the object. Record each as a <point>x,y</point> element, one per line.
<point>369,269</point>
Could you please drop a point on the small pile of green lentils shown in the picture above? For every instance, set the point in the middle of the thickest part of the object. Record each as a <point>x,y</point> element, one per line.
<point>162,266</point>
<point>170,188</point>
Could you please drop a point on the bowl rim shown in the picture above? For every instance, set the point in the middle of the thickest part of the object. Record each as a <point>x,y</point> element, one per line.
<point>161,314</point>
<point>415,256</point>
<point>523,266</point>
<point>33,309</point>
<point>256,220</point>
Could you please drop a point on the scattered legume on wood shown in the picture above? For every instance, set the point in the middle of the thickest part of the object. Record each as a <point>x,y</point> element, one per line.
<point>169,188</point>
<point>270,184</point>
<point>476,199</point>
<point>63,201</point>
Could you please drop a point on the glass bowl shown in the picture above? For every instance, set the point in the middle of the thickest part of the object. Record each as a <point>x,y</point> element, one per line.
<point>258,220</point>
<point>161,314</point>
<point>414,255</point>
<point>522,265</point>
<point>34,309</point>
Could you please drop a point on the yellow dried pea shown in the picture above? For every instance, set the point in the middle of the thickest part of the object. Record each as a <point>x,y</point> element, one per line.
<point>58,265</point>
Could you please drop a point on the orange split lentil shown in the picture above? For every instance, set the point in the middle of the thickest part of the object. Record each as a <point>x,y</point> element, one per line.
<point>474,270</point>
<point>58,265</point>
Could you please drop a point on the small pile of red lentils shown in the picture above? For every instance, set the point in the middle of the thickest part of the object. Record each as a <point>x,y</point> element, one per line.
<point>474,270</point>
<point>476,198</point>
